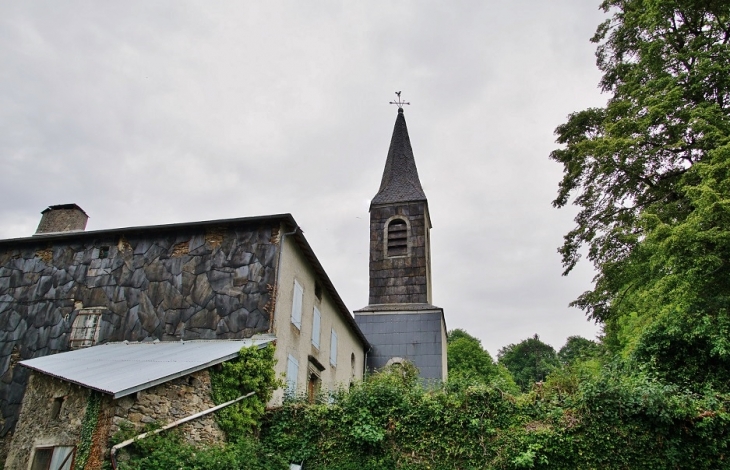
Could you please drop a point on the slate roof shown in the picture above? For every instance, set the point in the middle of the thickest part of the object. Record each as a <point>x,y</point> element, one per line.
<point>400,181</point>
<point>121,369</point>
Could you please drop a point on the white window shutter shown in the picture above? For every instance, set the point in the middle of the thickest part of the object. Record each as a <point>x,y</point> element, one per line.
<point>315,327</point>
<point>296,308</point>
<point>333,348</point>
<point>292,371</point>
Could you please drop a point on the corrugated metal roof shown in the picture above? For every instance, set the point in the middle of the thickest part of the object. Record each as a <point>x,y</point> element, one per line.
<point>121,369</point>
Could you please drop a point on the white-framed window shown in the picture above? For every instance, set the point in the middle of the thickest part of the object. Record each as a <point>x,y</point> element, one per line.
<point>333,348</point>
<point>296,307</point>
<point>85,328</point>
<point>53,458</point>
<point>316,327</point>
<point>292,372</point>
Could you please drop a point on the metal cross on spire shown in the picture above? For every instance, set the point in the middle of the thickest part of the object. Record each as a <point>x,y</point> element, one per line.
<point>399,101</point>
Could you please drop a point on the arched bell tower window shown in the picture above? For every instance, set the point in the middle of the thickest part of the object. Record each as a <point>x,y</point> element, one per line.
<point>396,237</point>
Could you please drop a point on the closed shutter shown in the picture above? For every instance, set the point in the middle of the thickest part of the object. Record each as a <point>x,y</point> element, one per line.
<point>315,327</point>
<point>296,308</point>
<point>292,371</point>
<point>333,348</point>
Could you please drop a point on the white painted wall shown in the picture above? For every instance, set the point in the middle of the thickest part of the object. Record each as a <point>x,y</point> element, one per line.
<point>297,343</point>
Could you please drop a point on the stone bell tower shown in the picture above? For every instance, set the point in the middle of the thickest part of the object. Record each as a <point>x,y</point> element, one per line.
<point>400,322</point>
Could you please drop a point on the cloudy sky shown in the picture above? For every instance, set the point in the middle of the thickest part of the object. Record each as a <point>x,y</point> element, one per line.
<point>151,112</point>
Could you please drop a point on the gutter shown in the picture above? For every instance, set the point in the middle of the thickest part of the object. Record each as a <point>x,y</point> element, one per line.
<point>172,425</point>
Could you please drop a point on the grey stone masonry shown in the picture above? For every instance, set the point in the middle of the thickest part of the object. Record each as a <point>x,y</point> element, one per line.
<point>405,278</point>
<point>196,282</point>
<point>415,337</point>
<point>62,218</point>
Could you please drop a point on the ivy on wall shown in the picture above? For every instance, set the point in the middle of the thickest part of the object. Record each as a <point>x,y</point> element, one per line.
<point>88,425</point>
<point>252,371</point>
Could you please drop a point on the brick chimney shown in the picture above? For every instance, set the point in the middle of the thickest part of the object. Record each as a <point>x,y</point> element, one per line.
<point>62,218</point>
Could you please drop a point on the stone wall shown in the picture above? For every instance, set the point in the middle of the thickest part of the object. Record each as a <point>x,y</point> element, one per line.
<point>39,427</point>
<point>403,279</point>
<point>211,282</point>
<point>170,402</point>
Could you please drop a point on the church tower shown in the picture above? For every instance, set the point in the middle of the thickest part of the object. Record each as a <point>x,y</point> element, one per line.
<point>400,322</point>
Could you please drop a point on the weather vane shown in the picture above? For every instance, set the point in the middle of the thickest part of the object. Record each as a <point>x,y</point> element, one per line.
<point>399,101</point>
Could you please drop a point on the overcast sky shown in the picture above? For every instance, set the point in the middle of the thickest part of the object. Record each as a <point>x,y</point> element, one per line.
<point>159,112</point>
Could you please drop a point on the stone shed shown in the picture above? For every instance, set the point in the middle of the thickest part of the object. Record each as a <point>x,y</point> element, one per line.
<point>115,385</point>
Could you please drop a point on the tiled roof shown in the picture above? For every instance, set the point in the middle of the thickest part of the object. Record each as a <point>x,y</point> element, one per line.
<point>400,181</point>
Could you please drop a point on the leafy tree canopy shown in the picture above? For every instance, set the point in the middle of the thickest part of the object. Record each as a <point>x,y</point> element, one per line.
<point>467,358</point>
<point>649,173</point>
<point>577,348</point>
<point>529,361</point>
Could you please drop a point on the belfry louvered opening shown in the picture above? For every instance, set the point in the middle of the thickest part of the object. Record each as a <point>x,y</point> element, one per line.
<point>397,238</point>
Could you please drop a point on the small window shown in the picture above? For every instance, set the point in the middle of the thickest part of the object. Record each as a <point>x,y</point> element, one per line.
<point>56,407</point>
<point>333,348</point>
<point>316,327</point>
<point>397,233</point>
<point>296,308</point>
<point>104,252</point>
<point>53,458</point>
<point>292,371</point>
<point>318,291</point>
<point>85,329</point>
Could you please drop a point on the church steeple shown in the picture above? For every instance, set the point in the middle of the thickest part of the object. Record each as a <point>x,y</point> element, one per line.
<point>400,321</point>
<point>400,247</point>
<point>400,181</point>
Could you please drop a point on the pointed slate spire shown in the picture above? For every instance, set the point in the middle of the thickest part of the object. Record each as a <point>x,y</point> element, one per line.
<point>400,181</point>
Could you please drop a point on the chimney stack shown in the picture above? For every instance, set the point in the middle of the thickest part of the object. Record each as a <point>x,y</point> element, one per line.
<point>62,218</point>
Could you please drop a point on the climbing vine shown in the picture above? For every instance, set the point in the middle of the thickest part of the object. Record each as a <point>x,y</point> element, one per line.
<point>88,425</point>
<point>253,371</point>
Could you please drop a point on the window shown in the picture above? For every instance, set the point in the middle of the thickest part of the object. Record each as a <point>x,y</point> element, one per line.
<point>53,458</point>
<point>292,371</point>
<point>56,407</point>
<point>318,291</point>
<point>85,329</point>
<point>397,238</point>
<point>296,308</point>
<point>315,327</point>
<point>333,348</point>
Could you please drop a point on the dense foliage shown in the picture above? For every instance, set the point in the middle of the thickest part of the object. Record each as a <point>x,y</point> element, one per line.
<point>614,421</point>
<point>469,361</point>
<point>529,361</point>
<point>649,172</point>
<point>577,348</point>
<point>253,371</point>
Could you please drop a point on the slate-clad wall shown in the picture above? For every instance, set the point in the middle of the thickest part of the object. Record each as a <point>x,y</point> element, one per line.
<point>203,283</point>
<point>416,337</point>
<point>401,279</point>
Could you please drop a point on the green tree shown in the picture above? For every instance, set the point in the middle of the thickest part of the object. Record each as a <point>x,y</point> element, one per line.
<point>578,348</point>
<point>467,358</point>
<point>529,361</point>
<point>649,174</point>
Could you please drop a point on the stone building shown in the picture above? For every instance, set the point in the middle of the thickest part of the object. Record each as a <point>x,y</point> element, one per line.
<point>136,384</point>
<point>400,321</point>
<point>65,288</point>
